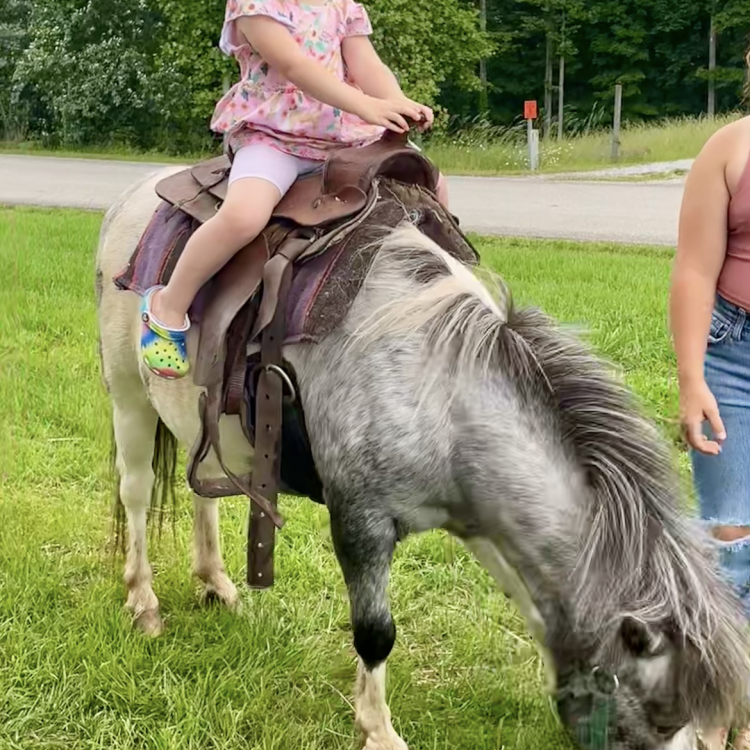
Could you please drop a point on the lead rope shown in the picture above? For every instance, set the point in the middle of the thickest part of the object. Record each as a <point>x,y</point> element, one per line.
<point>594,717</point>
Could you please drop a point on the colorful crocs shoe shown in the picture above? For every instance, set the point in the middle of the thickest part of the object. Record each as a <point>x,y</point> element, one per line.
<point>163,349</point>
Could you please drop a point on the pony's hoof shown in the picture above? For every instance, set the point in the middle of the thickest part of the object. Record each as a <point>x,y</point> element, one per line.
<point>224,594</point>
<point>149,623</point>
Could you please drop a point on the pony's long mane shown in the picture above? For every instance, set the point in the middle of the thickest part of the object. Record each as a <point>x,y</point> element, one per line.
<point>640,552</point>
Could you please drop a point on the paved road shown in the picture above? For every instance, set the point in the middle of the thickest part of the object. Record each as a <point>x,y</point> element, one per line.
<point>629,212</point>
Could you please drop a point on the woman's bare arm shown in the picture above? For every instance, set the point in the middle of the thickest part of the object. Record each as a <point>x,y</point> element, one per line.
<point>701,248</point>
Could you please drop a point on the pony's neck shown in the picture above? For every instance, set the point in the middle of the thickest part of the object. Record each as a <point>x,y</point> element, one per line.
<point>525,509</point>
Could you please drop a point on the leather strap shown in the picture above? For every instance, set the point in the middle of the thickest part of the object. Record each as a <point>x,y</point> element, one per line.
<point>208,438</point>
<point>273,272</point>
<point>268,426</point>
<point>236,368</point>
<point>227,298</point>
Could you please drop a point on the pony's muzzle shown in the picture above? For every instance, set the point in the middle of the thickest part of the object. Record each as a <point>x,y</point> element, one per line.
<point>586,704</point>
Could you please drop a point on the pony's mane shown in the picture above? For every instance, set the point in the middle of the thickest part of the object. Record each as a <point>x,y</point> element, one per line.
<point>640,552</point>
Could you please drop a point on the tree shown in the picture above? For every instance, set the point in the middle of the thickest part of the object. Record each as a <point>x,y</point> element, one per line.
<point>730,25</point>
<point>14,35</point>
<point>618,33</point>
<point>148,73</point>
<point>190,70</point>
<point>444,39</point>
<point>86,68</point>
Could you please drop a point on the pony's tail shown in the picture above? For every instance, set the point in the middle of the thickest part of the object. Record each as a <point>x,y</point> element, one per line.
<point>163,495</point>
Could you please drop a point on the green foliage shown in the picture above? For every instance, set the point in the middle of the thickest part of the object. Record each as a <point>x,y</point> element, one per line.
<point>14,38</point>
<point>85,73</point>
<point>190,72</point>
<point>443,40</point>
<point>657,49</point>
<point>148,73</point>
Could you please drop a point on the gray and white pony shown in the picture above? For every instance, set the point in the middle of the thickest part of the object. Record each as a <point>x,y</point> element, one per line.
<point>467,414</point>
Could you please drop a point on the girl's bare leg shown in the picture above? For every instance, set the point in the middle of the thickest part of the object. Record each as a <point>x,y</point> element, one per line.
<point>242,217</point>
<point>442,192</point>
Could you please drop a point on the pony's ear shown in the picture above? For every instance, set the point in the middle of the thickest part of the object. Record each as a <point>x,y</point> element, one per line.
<point>637,638</point>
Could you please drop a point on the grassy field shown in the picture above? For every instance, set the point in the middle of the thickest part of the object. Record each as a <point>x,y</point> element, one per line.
<point>486,150</point>
<point>32,148</point>
<point>72,672</point>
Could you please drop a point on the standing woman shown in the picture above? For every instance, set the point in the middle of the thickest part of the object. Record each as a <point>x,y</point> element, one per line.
<point>709,304</point>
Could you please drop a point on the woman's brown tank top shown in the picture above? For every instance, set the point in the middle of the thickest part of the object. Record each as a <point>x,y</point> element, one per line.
<point>734,280</point>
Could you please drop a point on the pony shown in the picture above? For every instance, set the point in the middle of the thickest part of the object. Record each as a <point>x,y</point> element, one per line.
<point>438,403</point>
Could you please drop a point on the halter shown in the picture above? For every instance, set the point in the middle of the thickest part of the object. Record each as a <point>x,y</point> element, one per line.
<point>590,708</point>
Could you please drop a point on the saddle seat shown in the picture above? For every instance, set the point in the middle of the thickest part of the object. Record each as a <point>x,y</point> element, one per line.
<point>245,303</point>
<point>340,190</point>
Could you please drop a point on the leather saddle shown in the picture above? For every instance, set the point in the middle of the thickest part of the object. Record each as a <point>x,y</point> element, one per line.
<point>246,304</point>
<point>317,200</point>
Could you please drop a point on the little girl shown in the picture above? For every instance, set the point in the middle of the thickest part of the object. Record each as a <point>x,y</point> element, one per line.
<point>311,83</point>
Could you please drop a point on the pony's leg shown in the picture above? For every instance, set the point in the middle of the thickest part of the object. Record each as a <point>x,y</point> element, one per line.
<point>177,404</point>
<point>364,549</point>
<point>373,716</point>
<point>208,564</point>
<point>135,431</point>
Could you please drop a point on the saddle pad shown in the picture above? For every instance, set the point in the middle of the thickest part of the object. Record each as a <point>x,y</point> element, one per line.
<point>157,252</point>
<point>322,290</point>
<point>323,287</point>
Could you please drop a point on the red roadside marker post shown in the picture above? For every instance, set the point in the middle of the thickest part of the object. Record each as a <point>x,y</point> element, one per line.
<point>530,113</point>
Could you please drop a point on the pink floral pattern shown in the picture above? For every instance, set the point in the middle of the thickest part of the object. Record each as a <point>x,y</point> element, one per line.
<point>263,107</point>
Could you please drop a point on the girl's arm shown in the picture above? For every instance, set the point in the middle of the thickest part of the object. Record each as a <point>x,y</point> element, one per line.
<point>367,70</point>
<point>273,42</point>
<point>372,75</point>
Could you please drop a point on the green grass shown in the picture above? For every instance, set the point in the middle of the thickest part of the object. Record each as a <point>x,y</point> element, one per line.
<point>73,673</point>
<point>118,153</point>
<point>618,295</point>
<point>488,150</point>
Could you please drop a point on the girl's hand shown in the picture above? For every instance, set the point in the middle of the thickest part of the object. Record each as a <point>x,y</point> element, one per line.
<point>427,116</point>
<point>697,404</point>
<point>389,113</point>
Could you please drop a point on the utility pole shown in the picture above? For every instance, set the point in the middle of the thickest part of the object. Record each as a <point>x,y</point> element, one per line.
<point>548,87</point>
<point>712,69</point>
<point>561,85</point>
<point>483,94</point>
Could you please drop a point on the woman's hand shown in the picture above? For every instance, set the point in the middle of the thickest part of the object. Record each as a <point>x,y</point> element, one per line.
<point>697,404</point>
<point>389,113</point>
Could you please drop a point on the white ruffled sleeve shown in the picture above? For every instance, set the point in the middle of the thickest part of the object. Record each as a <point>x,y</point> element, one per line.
<point>357,20</point>
<point>232,40</point>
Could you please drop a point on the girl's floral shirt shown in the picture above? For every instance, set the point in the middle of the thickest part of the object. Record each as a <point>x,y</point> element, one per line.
<point>263,107</point>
